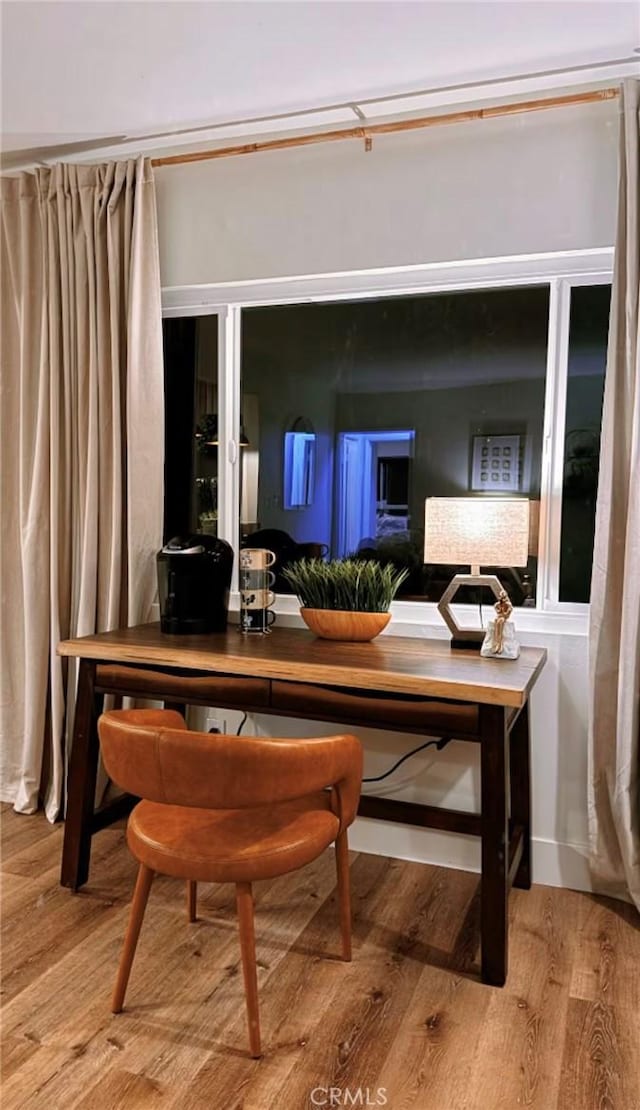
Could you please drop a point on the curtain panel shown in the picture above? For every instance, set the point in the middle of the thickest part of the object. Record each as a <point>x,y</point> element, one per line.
<point>614,728</point>
<point>81,443</point>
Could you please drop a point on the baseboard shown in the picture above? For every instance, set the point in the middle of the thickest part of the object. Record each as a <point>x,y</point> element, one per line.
<point>554,864</point>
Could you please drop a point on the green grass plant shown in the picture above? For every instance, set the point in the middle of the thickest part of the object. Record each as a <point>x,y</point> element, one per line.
<point>363,586</point>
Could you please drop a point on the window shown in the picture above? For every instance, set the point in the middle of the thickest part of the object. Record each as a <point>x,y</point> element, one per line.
<point>588,324</point>
<point>340,416</point>
<point>398,391</point>
<point>191,425</point>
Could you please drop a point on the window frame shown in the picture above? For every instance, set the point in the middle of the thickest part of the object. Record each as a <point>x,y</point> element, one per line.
<point>560,271</point>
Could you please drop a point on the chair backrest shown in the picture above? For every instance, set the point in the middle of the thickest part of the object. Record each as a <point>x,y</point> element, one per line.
<point>152,754</point>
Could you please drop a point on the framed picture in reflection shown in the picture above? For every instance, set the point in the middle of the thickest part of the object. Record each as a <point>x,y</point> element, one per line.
<point>497,464</point>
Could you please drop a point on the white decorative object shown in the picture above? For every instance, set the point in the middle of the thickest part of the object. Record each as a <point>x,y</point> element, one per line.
<point>500,639</point>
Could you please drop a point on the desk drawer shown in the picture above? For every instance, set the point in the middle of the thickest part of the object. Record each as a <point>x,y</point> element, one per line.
<point>333,703</point>
<point>192,689</point>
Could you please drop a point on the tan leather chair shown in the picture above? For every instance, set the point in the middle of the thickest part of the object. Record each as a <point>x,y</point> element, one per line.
<point>228,809</point>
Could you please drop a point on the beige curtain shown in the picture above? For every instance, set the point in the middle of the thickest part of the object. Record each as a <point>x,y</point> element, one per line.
<point>614,779</point>
<point>81,443</point>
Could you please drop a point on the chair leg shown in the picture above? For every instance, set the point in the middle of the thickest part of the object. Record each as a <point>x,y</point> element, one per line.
<point>192,895</point>
<point>344,892</point>
<point>138,906</point>
<point>244,902</point>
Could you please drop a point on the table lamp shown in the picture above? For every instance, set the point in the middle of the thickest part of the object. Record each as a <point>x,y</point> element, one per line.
<point>478,531</point>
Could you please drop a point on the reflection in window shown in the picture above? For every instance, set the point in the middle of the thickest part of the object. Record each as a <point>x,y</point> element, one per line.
<point>588,328</point>
<point>299,464</point>
<point>398,390</point>
<point>372,490</point>
<point>191,425</point>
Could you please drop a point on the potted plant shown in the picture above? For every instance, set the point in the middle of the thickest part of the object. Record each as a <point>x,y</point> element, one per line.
<point>344,599</point>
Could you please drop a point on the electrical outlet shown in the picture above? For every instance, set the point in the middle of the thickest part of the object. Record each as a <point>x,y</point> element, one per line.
<point>226,722</point>
<point>212,723</point>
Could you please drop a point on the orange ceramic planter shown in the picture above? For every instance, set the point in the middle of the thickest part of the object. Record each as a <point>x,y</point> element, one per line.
<point>344,624</point>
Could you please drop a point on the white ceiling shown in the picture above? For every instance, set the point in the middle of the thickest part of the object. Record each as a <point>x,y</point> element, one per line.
<point>84,71</point>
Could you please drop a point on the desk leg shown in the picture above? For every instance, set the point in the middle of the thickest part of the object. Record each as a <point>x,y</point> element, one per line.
<point>81,784</point>
<point>521,793</point>
<point>495,844</point>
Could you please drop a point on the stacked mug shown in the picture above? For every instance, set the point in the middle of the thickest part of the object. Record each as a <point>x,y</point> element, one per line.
<point>256,597</point>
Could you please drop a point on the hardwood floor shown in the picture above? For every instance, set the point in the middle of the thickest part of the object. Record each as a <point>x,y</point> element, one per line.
<point>407,1021</point>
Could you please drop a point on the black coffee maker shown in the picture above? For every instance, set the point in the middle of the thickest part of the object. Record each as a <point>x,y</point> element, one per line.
<point>194,576</point>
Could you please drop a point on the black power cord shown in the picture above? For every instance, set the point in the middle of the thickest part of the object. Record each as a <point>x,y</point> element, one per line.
<point>439,744</point>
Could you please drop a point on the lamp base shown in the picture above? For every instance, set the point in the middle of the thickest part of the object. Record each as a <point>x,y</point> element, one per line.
<point>469,638</point>
<point>457,644</point>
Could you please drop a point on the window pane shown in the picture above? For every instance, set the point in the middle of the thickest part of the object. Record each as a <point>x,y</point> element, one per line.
<point>357,412</point>
<point>191,425</point>
<point>588,327</point>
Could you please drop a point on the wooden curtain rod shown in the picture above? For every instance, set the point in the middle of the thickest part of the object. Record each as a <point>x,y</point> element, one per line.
<point>366,131</point>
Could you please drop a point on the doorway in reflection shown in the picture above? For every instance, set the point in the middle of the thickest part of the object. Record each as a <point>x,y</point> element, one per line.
<point>373,489</point>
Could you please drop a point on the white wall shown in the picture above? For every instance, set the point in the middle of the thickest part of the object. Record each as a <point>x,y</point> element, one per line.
<point>452,777</point>
<point>539,182</point>
<point>542,182</point>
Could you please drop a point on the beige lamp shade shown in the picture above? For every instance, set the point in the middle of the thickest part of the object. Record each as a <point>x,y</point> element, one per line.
<point>477,531</point>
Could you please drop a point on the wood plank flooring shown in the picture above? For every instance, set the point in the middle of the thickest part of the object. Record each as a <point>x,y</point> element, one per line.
<point>407,1021</point>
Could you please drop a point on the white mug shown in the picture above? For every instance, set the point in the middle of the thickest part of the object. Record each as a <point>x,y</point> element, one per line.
<point>257,599</point>
<point>256,579</point>
<point>256,620</point>
<point>256,558</point>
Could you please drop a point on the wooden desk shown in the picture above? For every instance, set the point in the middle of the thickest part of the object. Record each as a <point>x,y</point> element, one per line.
<point>391,666</point>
